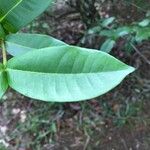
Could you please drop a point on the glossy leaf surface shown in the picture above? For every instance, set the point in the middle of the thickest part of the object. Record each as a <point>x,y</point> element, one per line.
<point>65,73</point>
<point>15,14</point>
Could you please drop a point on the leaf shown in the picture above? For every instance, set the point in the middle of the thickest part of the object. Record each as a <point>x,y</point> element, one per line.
<point>18,13</point>
<point>122,31</point>
<point>108,45</point>
<point>65,73</point>
<point>94,30</point>
<point>6,6</point>
<point>116,33</point>
<point>3,81</point>
<point>2,32</point>
<point>108,21</point>
<point>144,23</point>
<point>109,33</point>
<point>142,34</point>
<point>21,43</point>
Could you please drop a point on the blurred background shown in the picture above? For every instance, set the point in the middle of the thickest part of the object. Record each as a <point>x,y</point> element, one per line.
<point>119,120</point>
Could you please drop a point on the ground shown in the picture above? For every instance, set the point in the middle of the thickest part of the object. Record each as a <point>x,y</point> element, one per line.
<point>118,120</point>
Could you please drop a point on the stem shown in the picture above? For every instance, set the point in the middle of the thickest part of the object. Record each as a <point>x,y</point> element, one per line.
<point>4,53</point>
<point>138,52</point>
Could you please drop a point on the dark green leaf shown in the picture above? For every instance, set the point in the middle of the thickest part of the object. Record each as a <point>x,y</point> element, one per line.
<point>2,32</point>
<point>6,6</point>
<point>18,13</point>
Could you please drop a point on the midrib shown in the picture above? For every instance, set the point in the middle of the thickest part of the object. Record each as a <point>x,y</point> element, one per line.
<point>1,19</point>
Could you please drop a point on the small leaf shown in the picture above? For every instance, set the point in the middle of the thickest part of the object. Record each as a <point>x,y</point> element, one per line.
<point>108,45</point>
<point>144,23</point>
<point>3,81</point>
<point>109,33</point>
<point>65,73</point>
<point>122,31</point>
<point>18,13</point>
<point>94,30</point>
<point>18,44</point>
<point>108,21</point>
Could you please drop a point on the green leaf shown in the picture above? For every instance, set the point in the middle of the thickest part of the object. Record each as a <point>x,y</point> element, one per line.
<point>3,81</point>
<point>18,13</point>
<point>122,31</point>
<point>108,45</point>
<point>108,21</point>
<point>65,73</point>
<point>144,23</point>
<point>2,32</point>
<point>6,7</point>
<point>94,30</point>
<point>21,43</point>
<point>142,34</point>
<point>109,33</point>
